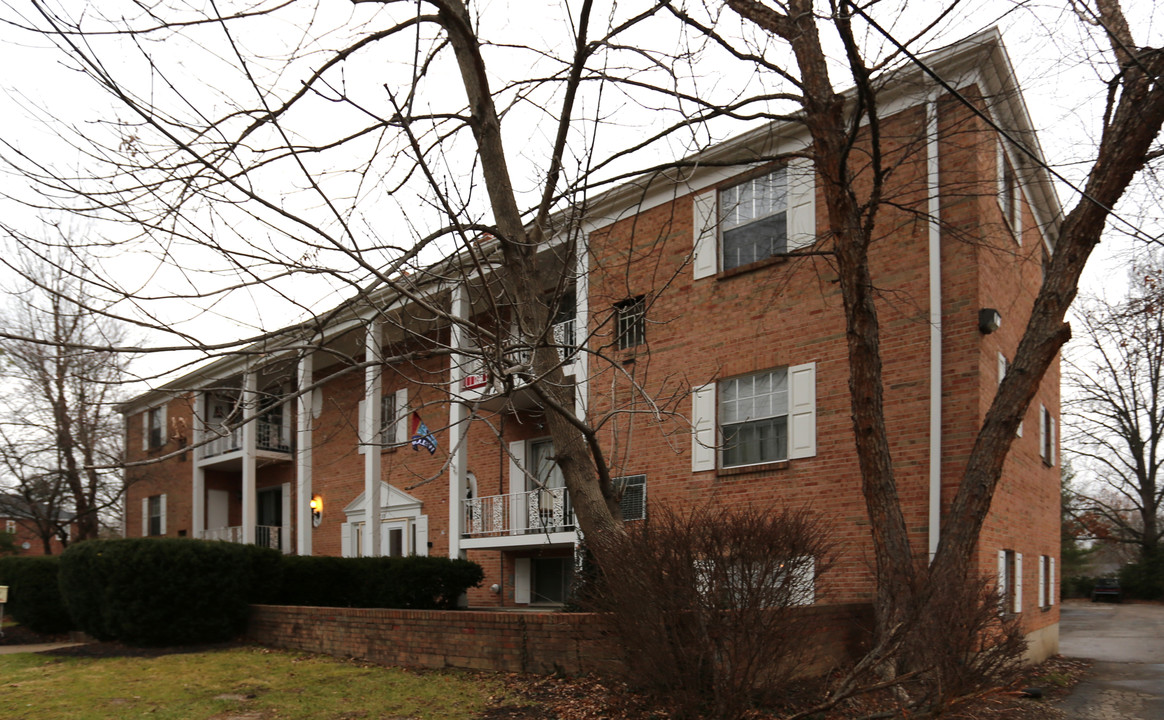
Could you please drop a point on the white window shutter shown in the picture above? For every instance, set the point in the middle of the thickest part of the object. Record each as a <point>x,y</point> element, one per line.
<point>521,580</point>
<point>1042,432</point>
<point>362,433</point>
<point>1051,584</point>
<point>1001,367</point>
<point>1000,167</point>
<point>162,422</point>
<point>346,540</point>
<point>402,416</point>
<point>421,536</point>
<point>1001,587</point>
<point>162,530</point>
<point>705,234</point>
<point>145,516</point>
<point>1054,442</point>
<point>1018,582</point>
<point>1042,581</point>
<point>804,583</point>
<point>145,430</point>
<point>285,531</point>
<point>703,428</point>
<point>801,215</point>
<point>802,411</point>
<point>1018,209</point>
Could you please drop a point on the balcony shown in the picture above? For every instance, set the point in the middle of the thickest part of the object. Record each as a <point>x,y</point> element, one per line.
<point>479,383</point>
<point>269,437</point>
<point>265,535</point>
<point>533,517</point>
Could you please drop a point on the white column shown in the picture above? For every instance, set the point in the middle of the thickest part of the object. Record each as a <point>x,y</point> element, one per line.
<point>199,489</point>
<point>581,328</point>
<point>249,463</point>
<point>303,493</point>
<point>458,425</point>
<point>372,391</point>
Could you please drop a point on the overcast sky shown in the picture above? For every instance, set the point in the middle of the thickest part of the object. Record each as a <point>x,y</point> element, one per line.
<point>44,92</point>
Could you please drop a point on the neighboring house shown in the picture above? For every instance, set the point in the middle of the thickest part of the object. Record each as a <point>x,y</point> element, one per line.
<point>687,287</point>
<point>19,520</point>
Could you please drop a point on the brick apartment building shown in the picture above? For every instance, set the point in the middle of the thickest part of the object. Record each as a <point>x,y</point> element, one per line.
<point>19,521</point>
<point>706,338</point>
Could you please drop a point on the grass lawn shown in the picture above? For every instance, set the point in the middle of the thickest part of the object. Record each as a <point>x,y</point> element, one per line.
<point>247,683</point>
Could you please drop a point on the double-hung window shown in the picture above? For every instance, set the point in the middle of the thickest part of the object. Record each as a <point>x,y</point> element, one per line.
<point>754,219</point>
<point>155,427</point>
<point>153,515</point>
<point>631,318</point>
<point>1009,194</point>
<point>753,417</point>
<point>742,223</point>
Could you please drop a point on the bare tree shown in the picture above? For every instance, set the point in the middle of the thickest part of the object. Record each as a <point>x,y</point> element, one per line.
<point>184,169</point>
<point>1132,123</point>
<point>59,427</point>
<point>1116,376</point>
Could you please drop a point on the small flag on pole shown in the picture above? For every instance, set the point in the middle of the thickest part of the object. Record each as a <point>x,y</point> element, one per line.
<point>421,437</point>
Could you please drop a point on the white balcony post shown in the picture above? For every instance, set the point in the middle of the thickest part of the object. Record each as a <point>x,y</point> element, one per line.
<point>305,409</point>
<point>249,462</point>
<point>372,391</point>
<point>199,490</point>
<point>581,329</point>
<point>458,424</point>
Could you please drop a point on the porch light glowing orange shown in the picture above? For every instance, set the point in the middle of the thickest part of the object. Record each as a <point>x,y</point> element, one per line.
<point>316,510</point>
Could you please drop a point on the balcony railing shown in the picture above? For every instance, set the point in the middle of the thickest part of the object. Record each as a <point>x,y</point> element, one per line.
<point>566,338</point>
<point>531,512</point>
<point>268,436</point>
<point>265,535</point>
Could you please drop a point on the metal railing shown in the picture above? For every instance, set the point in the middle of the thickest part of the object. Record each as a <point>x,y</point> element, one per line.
<point>268,436</point>
<point>530,512</point>
<point>270,536</point>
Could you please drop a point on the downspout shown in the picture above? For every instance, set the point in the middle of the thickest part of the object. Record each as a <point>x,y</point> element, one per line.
<point>935,261</point>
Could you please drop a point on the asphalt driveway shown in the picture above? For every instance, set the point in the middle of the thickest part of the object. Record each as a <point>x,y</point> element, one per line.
<point>1127,643</point>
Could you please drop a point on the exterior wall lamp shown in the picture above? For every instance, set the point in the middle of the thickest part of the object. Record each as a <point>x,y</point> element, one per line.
<point>316,510</point>
<point>988,320</point>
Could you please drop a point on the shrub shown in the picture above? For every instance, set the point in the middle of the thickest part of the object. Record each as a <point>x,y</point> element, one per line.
<point>155,591</point>
<point>705,607</point>
<point>1144,579</point>
<point>1077,586</point>
<point>34,595</point>
<point>421,583</point>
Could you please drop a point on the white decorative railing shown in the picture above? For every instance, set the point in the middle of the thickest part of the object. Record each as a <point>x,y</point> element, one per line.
<point>530,512</point>
<point>265,535</point>
<point>268,436</point>
<point>566,339</point>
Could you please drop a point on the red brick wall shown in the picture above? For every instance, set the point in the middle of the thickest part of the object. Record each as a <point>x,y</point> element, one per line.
<point>574,643</point>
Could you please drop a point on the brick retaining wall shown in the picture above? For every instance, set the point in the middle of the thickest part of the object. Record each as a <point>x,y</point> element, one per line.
<point>536,642</point>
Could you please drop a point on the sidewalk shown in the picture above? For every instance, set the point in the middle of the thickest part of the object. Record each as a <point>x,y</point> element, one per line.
<point>41,647</point>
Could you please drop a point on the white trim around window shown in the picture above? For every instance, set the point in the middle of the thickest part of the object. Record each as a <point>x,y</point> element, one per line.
<point>780,205</point>
<point>776,409</point>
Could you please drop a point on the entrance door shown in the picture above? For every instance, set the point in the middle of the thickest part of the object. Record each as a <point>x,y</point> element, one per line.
<point>552,578</point>
<point>551,508</point>
<point>217,509</point>
<point>270,518</point>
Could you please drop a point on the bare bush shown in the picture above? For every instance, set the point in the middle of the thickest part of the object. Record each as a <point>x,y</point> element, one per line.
<point>958,644</point>
<point>709,607</point>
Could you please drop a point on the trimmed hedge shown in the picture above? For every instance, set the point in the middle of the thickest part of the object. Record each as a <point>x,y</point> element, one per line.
<point>418,583</point>
<point>159,591</point>
<point>34,595</point>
